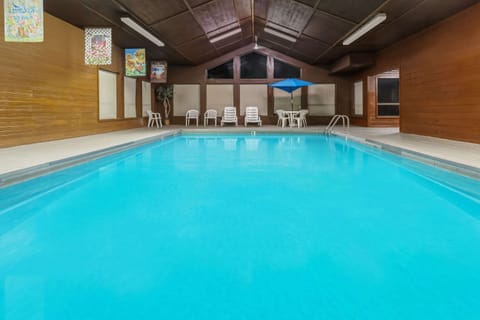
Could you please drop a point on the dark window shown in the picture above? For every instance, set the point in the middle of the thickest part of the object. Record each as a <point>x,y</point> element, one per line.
<point>253,66</point>
<point>223,71</point>
<point>388,110</point>
<point>388,102</point>
<point>388,90</point>
<point>284,70</point>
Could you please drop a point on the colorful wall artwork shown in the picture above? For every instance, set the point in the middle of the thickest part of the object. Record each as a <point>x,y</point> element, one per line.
<point>135,63</point>
<point>23,20</point>
<point>98,46</point>
<point>158,72</point>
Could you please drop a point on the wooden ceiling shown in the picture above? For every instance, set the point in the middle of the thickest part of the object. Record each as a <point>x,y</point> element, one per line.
<point>319,26</point>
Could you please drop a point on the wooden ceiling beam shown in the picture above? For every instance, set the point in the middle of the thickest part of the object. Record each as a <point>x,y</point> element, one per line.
<point>93,10</point>
<point>128,30</point>
<point>320,25</point>
<point>348,21</point>
<point>307,22</point>
<point>238,19</point>
<point>196,19</point>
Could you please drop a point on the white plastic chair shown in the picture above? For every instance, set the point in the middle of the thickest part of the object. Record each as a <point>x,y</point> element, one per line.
<point>210,114</point>
<point>191,115</point>
<point>251,115</point>
<point>154,117</point>
<point>282,118</point>
<point>301,120</point>
<point>229,116</point>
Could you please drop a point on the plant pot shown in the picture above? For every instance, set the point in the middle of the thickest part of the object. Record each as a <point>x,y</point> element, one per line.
<point>167,122</point>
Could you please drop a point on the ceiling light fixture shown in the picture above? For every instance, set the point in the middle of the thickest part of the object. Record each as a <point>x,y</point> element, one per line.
<point>283,29</point>
<point>375,21</point>
<point>256,46</point>
<point>225,35</point>
<point>280,34</point>
<point>135,26</point>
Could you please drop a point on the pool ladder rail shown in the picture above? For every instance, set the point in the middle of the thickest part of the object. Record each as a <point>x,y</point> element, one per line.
<point>333,122</point>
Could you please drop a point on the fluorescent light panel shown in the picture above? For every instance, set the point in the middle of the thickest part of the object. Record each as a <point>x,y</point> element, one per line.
<point>375,21</point>
<point>280,34</point>
<point>225,35</point>
<point>278,27</point>
<point>135,26</point>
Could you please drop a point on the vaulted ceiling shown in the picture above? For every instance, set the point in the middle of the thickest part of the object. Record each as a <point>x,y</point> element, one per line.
<point>319,26</point>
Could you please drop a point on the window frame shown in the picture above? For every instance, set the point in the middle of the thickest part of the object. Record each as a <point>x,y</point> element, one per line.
<point>249,78</point>
<point>217,66</point>
<point>377,104</point>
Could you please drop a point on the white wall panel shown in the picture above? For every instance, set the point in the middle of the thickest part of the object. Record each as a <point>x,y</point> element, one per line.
<point>321,99</point>
<point>146,97</point>
<point>129,97</point>
<point>107,91</point>
<point>282,99</point>
<point>358,97</point>
<point>254,95</point>
<point>219,96</point>
<point>185,97</point>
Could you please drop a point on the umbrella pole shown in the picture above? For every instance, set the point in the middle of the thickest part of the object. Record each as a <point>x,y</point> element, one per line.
<point>291,99</point>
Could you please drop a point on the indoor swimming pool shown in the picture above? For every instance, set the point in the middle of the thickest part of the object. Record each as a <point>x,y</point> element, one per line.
<point>264,226</point>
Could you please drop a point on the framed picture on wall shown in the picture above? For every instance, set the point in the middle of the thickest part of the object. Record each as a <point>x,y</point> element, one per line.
<point>158,72</point>
<point>135,65</point>
<point>23,21</point>
<point>98,46</point>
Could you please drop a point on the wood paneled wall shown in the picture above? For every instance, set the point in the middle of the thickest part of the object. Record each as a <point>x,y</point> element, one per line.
<point>439,78</point>
<point>48,93</point>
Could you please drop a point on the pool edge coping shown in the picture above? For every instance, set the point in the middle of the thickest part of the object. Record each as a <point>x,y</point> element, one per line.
<point>449,165</point>
<point>24,174</point>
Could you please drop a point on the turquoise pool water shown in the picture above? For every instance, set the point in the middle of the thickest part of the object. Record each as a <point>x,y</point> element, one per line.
<point>242,227</point>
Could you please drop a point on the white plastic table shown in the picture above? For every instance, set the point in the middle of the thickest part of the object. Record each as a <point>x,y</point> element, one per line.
<point>291,117</point>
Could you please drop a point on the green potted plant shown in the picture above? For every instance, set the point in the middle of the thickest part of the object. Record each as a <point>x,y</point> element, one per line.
<point>164,94</point>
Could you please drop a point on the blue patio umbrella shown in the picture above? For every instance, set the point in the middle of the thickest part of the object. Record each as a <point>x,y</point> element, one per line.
<point>289,85</point>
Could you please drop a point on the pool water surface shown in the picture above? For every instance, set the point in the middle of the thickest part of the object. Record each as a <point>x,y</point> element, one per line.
<point>241,227</point>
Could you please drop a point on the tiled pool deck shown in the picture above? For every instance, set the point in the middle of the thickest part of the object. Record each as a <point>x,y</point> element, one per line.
<point>17,163</point>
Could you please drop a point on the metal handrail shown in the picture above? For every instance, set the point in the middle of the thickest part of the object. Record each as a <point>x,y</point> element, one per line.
<point>333,122</point>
